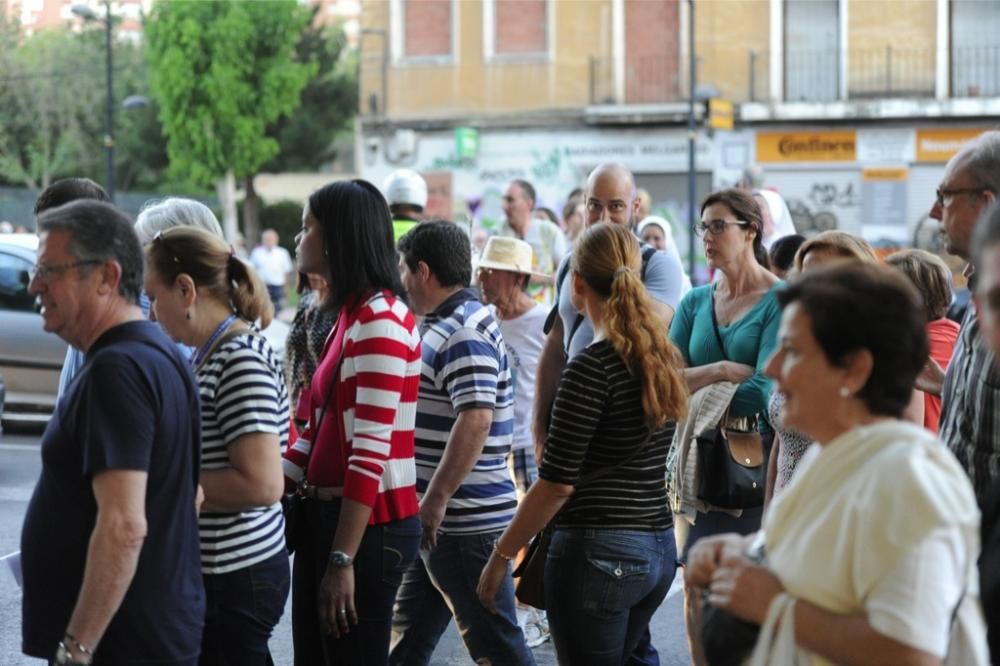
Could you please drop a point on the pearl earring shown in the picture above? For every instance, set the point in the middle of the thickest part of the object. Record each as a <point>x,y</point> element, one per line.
<point>845,392</point>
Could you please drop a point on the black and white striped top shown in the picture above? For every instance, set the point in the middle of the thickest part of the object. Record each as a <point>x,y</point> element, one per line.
<point>242,391</point>
<point>597,421</point>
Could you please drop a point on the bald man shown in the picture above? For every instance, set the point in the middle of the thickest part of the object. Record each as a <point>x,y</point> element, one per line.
<point>610,196</point>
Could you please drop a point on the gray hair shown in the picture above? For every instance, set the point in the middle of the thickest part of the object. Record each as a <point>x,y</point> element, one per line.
<point>157,216</point>
<point>100,232</point>
<point>981,158</point>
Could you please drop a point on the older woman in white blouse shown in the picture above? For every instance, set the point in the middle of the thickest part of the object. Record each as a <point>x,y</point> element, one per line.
<point>870,552</point>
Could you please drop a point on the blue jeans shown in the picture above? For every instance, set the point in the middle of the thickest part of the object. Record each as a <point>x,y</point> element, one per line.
<point>241,610</point>
<point>602,586</point>
<point>444,581</point>
<point>385,553</point>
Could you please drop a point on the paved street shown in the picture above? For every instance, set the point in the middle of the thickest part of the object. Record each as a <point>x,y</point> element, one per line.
<point>19,466</point>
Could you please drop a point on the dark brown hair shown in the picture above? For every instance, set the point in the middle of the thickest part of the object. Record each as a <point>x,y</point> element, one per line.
<point>854,306</point>
<point>745,208</point>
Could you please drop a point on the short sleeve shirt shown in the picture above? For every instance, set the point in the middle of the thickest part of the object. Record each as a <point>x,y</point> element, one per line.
<point>242,392</point>
<point>132,406</point>
<point>464,366</point>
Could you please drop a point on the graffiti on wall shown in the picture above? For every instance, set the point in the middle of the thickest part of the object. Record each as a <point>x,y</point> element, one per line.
<point>821,202</point>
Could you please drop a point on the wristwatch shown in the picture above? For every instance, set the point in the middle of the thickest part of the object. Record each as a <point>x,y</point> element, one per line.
<point>64,658</point>
<point>341,560</point>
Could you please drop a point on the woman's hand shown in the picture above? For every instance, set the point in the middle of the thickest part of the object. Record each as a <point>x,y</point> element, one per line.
<point>744,589</point>
<point>336,601</point>
<point>490,580</point>
<point>736,372</point>
<point>707,555</point>
<point>931,378</point>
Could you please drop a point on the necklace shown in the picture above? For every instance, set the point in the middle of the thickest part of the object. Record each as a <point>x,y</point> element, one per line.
<point>203,351</point>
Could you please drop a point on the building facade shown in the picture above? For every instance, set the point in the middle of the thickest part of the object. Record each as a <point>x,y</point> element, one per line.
<point>851,106</point>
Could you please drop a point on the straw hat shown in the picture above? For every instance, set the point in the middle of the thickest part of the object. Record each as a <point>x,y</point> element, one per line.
<point>508,254</point>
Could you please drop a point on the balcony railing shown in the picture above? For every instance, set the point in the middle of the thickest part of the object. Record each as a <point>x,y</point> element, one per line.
<point>975,71</point>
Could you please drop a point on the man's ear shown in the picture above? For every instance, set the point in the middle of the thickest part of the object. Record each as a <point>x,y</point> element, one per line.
<point>111,276</point>
<point>423,271</point>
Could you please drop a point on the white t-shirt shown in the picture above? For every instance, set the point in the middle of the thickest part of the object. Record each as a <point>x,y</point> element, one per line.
<point>524,338</point>
<point>273,265</point>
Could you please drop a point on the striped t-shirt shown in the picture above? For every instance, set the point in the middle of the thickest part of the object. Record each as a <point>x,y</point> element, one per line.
<point>464,366</point>
<point>597,422</point>
<point>242,391</point>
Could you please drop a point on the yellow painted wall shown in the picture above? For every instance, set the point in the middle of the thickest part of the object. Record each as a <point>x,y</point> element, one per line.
<point>725,33</point>
<point>582,30</point>
<point>891,44</point>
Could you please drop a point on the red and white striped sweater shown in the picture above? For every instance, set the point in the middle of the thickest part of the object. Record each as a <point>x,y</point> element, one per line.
<point>365,440</point>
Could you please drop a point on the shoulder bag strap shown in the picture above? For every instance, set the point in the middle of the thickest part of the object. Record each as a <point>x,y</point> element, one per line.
<point>715,325</point>
<point>601,473</point>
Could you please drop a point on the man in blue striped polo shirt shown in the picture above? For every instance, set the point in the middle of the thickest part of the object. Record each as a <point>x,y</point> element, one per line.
<point>464,428</point>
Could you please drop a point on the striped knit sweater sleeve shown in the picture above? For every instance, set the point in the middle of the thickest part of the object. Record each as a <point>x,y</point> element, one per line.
<point>382,371</point>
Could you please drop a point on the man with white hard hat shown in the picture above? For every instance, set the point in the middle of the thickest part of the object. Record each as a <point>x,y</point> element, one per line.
<point>406,192</point>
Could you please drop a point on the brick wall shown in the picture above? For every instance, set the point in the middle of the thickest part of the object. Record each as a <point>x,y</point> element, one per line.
<point>427,27</point>
<point>520,26</point>
<point>652,51</point>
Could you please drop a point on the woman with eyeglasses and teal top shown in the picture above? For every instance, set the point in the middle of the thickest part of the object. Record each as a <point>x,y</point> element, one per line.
<point>726,331</point>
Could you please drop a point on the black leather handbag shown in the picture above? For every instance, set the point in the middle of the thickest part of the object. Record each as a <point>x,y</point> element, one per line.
<point>731,456</point>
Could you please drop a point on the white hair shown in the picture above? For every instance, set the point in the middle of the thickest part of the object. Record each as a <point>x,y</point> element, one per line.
<point>157,216</point>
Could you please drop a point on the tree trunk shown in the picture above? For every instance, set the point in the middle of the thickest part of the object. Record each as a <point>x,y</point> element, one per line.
<point>251,223</point>
<point>226,191</point>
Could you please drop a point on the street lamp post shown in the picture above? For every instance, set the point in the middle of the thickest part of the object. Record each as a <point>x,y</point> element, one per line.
<point>88,14</point>
<point>692,139</point>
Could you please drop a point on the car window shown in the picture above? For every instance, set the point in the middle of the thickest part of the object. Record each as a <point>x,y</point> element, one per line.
<point>14,283</point>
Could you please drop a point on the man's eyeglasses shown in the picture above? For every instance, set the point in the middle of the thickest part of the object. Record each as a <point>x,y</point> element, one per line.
<point>716,227</point>
<point>45,272</point>
<point>942,192</point>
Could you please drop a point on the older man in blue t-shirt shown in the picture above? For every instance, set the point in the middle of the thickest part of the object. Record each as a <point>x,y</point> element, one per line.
<point>464,427</point>
<point>110,556</point>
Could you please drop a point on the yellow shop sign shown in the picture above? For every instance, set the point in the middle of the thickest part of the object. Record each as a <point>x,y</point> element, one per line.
<point>806,146</point>
<point>938,145</point>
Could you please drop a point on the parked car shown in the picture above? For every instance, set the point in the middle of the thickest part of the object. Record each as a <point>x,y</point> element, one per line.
<point>30,358</point>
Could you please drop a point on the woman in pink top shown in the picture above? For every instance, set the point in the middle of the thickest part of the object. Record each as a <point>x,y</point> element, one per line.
<point>931,277</point>
<point>354,462</point>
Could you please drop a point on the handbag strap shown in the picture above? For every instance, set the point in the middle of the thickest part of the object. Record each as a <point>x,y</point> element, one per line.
<point>715,326</point>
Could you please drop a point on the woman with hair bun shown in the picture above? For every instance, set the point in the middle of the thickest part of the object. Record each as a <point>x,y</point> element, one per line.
<point>205,297</point>
<point>601,478</point>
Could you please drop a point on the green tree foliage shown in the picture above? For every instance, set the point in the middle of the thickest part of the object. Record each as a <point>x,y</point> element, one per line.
<point>45,95</point>
<point>329,102</point>
<point>52,102</point>
<point>222,72</point>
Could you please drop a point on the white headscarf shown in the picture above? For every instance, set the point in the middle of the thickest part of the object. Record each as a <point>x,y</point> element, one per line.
<point>669,246</point>
<point>780,215</point>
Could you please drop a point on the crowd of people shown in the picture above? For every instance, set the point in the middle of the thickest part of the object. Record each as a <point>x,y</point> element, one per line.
<point>808,435</point>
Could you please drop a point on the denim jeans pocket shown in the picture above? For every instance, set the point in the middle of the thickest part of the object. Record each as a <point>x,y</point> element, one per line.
<point>400,544</point>
<point>270,581</point>
<point>613,583</point>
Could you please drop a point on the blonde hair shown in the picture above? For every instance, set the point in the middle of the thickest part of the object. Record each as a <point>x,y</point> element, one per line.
<point>213,267</point>
<point>842,243</point>
<point>607,258</point>
<point>930,275</point>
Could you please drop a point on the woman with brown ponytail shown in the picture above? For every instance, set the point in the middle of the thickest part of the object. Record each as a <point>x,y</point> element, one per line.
<point>612,555</point>
<point>205,297</point>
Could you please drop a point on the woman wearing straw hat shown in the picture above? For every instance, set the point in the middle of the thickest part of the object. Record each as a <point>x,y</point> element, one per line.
<point>503,274</point>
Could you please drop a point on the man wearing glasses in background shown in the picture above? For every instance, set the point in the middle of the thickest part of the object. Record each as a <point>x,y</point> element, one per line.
<point>970,392</point>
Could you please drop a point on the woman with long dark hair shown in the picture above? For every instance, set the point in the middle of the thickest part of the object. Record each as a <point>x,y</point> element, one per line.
<point>612,556</point>
<point>354,461</point>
